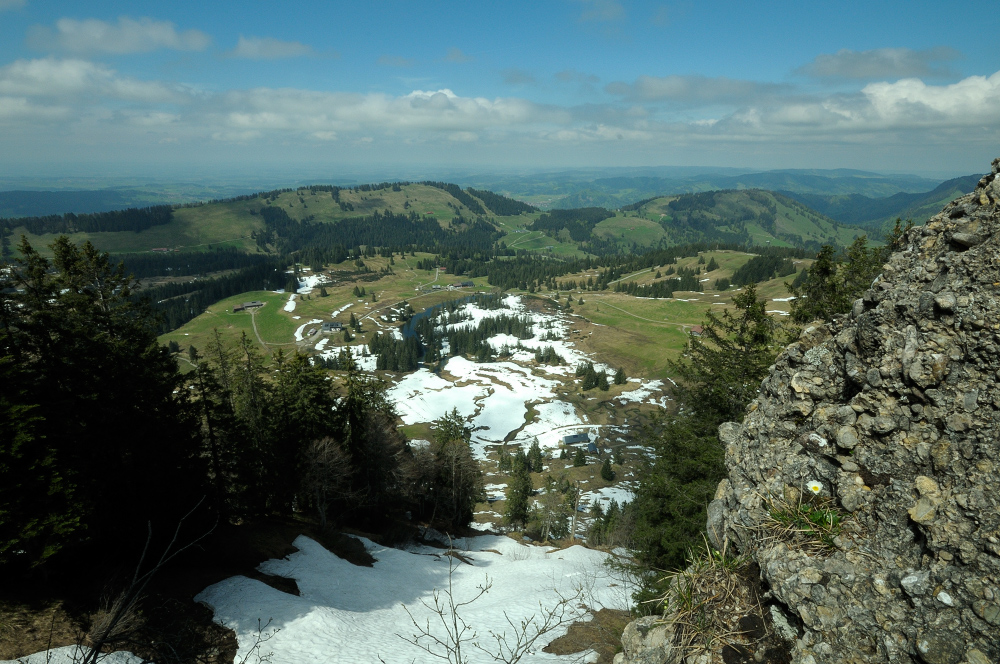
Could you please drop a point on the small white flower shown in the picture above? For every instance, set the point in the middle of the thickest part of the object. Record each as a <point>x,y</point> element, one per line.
<point>814,487</point>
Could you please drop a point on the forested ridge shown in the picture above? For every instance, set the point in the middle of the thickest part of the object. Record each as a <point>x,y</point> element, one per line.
<point>116,221</point>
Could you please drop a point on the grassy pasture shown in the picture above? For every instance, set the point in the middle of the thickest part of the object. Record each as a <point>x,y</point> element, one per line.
<point>639,334</point>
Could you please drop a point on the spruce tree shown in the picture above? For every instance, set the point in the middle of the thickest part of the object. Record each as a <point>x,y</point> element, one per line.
<point>535,458</point>
<point>580,458</point>
<point>602,381</point>
<point>607,474</point>
<point>719,376</point>
<point>518,505</point>
<point>620,378</point>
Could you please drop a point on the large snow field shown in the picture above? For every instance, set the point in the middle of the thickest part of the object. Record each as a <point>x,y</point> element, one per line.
<point>494,397</point>
<point>72,654</point>
<point>351,614</point>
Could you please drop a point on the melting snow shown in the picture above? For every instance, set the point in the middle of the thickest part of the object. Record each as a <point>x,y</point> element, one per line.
<point>301,328</point>
<point>353,614</point>
<point>290,305</point>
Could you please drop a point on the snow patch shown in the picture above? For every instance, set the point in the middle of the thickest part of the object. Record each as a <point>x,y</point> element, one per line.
<point>301,328</point>
<point>346,613</point>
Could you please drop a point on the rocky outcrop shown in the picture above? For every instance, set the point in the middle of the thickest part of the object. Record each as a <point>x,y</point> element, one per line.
<point>885,428</point>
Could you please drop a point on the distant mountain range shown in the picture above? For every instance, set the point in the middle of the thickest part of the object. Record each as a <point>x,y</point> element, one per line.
<point>877,212</point>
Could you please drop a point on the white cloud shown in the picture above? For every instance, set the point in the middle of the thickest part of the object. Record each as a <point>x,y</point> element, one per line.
<point>267,48</point>
<point>90,103</point>
<point>11,4</point>
<point>881,63</point>
<point>58,78</point>
<point>969,102</point>
<point>304,111</point>
<point>127,36</point>
<point>692,90</point>
<point>21,109</point>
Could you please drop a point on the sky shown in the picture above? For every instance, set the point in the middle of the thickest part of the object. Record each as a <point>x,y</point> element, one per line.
<point>150,88</point>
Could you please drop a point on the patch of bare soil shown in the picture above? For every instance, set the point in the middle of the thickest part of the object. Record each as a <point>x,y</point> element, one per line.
<point>603,635</point>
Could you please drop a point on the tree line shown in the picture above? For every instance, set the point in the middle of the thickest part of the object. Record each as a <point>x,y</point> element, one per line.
<point>115,221</point>
<point>101,433</point>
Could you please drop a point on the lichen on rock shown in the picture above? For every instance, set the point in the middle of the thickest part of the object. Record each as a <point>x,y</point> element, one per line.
<point>893,412</point>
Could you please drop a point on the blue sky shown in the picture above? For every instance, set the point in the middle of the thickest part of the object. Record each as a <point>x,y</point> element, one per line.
<point>147,88</point>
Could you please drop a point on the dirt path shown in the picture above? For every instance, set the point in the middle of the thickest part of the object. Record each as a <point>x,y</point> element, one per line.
<point>266,345</point>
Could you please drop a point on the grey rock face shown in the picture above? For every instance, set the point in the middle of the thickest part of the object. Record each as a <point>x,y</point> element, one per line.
<point>894,413</point>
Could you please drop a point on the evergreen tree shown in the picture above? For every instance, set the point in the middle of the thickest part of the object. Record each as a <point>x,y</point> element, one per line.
<point>607,474</point>
<point>519,489</point>
<point>535,458</point>
<point>505,461</point>
<point>620,377</point>
<point>712,265</point>
<point>459,479</point>
<point>580,458</point>
<point>830,287</point>
<point>602,381</point>
<point>95,436</point>
<point>719,375</point>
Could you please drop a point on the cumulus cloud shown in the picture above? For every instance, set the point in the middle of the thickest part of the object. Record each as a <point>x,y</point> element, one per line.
<point>395,61</point>
<point>64,79</point>
<point>285,110</point>
<point>456,55</point>
<point>102,106</point>
<point>127,36</point>
<point>514,76</point>
<point>267,48</point>
<point>11,4</point>
<point>971,101</point>
<point>692,90</point>
<point>601,11</point>
<point>881,63</point>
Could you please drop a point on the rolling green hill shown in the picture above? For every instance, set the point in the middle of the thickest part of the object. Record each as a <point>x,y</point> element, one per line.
<point>236,222</point>
<point>747,217</point>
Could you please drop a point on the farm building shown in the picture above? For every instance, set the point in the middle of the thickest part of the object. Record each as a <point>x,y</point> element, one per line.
<point>332,326</point>
<point>574,438</point>
<point>256,304</point>
<point>696,331</point>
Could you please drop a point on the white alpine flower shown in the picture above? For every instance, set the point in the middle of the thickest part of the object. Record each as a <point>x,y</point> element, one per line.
<point>814,487</point>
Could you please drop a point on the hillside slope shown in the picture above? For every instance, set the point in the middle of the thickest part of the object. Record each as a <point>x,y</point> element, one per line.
<point>875,213</point>
<point>752,217</point>
<point>235,222</point>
